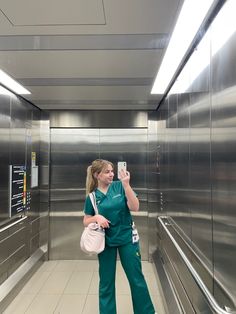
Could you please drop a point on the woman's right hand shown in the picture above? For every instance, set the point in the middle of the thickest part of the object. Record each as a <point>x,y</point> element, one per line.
<point>102,221</point>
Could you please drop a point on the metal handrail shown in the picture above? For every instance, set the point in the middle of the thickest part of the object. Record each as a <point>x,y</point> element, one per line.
<point>12,224</point>
<point>207,294</point>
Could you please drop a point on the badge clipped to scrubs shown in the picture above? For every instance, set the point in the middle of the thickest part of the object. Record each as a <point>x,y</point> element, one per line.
<point>135,236</point>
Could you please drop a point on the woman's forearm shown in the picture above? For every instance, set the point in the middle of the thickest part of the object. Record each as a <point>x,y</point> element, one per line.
<point>89,219</point>
<point>132,200</point>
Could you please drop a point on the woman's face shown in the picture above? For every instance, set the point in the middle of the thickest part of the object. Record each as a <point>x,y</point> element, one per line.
<point>106,175</point>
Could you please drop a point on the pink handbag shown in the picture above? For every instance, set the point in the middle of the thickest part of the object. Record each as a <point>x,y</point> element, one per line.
<point>92,240</point>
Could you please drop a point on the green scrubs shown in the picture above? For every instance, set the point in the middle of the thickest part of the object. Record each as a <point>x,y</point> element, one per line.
<point>113,206</point>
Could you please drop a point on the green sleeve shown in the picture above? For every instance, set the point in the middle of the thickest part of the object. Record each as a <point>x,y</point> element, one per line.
<point>88,207</point>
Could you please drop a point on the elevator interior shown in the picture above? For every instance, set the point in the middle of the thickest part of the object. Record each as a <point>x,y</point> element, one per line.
<point>187,188</point>
<point>72,151</point>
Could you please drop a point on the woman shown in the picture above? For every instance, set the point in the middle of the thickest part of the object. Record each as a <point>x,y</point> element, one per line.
<point>115,200</point>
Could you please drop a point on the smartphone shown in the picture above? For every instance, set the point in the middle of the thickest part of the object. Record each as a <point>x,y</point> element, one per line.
<point>121,165</point>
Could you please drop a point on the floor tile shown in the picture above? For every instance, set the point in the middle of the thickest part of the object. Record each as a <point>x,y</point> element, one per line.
<point>86,265</point>
<point>35,283</point>
<point>56,283</point>
<point>158,304</point>
<point>94,286</point>
<point>79,283</point>
<point>147,267</point>
<point>71,304</point>
<point>44,304</point>
<point>122,284</point>
<point>65,266</point>
<point>67,287</point>
<point>152,283</point>
<point>48,266</point>
<point>124,304</point>
<point>20,304</point>
<point>91,305</point>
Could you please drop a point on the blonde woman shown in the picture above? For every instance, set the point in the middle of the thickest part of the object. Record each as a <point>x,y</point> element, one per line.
<point>115,200</point>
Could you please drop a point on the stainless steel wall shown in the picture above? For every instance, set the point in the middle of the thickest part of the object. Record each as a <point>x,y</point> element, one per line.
<point>72,150</point>
<point>20,127</point>
<point>197,174</point>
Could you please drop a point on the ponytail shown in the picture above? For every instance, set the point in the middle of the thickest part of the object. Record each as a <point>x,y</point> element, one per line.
<point>97,166</point>
<point>91,181</point>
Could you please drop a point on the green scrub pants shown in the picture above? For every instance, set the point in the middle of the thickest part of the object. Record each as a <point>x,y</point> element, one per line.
<point>131,262</point>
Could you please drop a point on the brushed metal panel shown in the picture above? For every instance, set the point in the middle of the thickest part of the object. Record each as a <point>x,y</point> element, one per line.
<point>130,145</point>
<point>185,180</point>
<point>4,155</point>
<point>17,259</point>
<point>153,177</point>
<point>18,133</point>
<point>72,150</point>
<point>200,184</point>
<point>65,233</point>
<point>33,145</point>
<point>81,42</point>
<point>3,250</point>
<point>223,170</point>
<point>200,167</point>
<point>98,119</point>
<point>16,240</point>
<point>44,181</point>
<point>3,271</point>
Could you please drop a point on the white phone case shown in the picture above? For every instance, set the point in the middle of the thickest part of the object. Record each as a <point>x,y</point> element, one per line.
<point>121,165</point>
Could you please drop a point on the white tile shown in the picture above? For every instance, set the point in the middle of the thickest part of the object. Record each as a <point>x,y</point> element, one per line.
<point>124,304</point>
<point>147,267</point>
<point>94,286</point>
<point>152,283</point>
<point>158,304</point>
<point>119,268</point>
<point>79,283</point>
<point>92,305</point>
<point>122,284</point>
<point>56,283</point>
<point>48,266</point>
<point>65,266</point>
<point>72,287</point>
<point>86,265</point>
<point>44,304</point>
<point>35,283</point>
<point>20,304</point>
<point>71,304</point>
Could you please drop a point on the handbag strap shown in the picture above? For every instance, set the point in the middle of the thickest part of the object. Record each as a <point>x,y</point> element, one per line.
<point>93,201</point>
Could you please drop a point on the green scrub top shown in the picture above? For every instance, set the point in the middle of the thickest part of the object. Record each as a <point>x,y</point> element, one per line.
<point>113,206</point>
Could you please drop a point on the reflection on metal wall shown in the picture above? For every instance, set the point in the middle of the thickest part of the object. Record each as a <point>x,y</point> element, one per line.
<point>5,149</point>
<point>19,137</point>
<point>98,119</point>
<point>44,181</point>
<point>198,181</point>
<point>72,150</point>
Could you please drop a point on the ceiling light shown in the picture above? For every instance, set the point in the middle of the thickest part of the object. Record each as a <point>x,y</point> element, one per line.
<point>4,91</point>
<point>190,18</point>
<point>225,17</point>
<point>8,82</point>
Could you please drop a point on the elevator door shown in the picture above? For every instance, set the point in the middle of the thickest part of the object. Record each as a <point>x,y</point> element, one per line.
<point>72,150</point>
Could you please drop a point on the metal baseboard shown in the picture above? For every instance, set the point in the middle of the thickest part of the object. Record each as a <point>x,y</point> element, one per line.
<point>12,286</point>
<point>169,297</point>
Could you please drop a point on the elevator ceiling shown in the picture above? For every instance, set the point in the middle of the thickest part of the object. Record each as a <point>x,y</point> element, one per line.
<point>86,54</point>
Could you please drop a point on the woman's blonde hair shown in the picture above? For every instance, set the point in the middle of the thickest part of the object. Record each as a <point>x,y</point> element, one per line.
<point>97,166</point>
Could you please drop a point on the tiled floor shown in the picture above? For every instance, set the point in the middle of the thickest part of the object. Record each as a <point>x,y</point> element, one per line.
<point>68,287</point>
